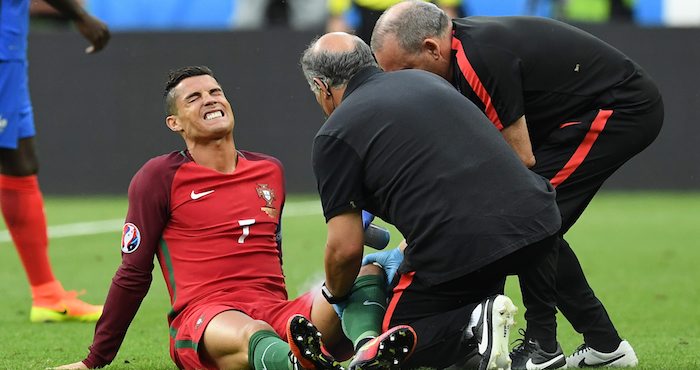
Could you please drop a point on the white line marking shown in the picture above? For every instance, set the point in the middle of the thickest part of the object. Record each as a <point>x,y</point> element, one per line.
<point>296,209</point>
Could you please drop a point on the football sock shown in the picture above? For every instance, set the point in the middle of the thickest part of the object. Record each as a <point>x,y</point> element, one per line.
<point>266,350</point>
<point>363,315</point>
<point>23,208</point>
<point>46,295</point>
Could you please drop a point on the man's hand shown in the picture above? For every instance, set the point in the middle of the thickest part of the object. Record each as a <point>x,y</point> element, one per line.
<point>389,260</point>
<point>77,365</point>
<point>94,31</point>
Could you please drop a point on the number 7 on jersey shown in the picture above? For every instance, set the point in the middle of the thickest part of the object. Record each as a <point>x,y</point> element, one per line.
<point>246,229</point>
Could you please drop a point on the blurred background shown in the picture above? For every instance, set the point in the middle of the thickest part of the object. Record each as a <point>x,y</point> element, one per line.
<point>100,117</point>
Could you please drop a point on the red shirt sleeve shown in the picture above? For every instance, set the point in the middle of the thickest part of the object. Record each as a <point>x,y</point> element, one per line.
<point>148,213</point>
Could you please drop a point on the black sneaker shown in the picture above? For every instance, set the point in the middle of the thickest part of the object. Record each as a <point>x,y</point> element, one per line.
<point>305,344</point>
<point>492,332</point>
<point>529,355</point>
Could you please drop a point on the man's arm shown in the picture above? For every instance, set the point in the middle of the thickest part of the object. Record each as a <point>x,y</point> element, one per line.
<point>344,248</point>
<point>145,221</point>
<point>518,137</point>
<point>90,27</point>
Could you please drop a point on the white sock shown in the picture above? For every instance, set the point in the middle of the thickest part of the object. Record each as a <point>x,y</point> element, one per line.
<point>476,315</point>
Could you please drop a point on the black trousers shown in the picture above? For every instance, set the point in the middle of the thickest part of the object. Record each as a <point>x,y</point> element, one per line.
<point>440,313</point>
<point>577,159</point>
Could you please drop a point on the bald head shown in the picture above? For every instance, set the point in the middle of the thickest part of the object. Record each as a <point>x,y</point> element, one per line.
<point>336,42</point>
<point>334,58</point>
<point>409,23</point>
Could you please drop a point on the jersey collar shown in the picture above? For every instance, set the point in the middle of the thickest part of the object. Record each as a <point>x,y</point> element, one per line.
<point>359,78</point>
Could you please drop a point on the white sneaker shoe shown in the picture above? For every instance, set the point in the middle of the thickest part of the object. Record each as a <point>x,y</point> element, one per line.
<point>585,356</point>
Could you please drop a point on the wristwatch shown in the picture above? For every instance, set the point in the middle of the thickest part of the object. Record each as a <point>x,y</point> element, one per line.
<point>330,298</point>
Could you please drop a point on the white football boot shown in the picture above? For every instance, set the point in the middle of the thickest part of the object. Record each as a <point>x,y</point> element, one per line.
<point>585,356</point>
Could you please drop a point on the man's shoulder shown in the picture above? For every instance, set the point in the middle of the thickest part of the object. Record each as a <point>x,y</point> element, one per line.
<point>161,167</point>
<point>165,161</point>
<point>478,23</point>
<point>387,89</point>
<point>257,156</point>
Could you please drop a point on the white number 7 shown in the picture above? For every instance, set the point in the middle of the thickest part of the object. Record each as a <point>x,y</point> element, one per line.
<point>246,229</point>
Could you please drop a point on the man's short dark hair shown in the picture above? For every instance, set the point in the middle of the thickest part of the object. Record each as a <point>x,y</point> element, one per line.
<point>175,77</point>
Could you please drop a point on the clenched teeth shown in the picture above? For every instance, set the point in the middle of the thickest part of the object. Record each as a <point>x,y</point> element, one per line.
<point>213,115</point>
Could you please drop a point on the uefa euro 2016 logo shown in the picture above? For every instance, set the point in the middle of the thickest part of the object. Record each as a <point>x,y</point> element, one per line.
<point>131,238</point>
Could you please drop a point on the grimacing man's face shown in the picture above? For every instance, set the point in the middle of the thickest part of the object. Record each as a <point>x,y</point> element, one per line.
<point>202,110</point>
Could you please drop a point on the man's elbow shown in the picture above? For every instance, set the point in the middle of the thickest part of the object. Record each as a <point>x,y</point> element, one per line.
<point>529,161</point>
<point>344,253</point>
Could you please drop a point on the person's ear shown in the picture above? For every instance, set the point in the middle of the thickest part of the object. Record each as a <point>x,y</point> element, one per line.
<point>322,86</point>
<point>172,123</point>
<point>432,47</point>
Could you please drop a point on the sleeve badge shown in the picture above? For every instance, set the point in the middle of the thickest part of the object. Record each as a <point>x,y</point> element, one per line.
<point>131,238</point>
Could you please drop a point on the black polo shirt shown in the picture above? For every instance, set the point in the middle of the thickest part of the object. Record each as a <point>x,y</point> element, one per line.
<point>542,68</point>
<point>409,148</point>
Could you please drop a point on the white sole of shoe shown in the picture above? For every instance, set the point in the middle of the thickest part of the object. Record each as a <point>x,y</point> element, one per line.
<point>503,312</point>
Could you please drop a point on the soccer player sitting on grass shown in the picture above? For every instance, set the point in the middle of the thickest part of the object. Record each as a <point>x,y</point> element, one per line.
<point>211,215</point>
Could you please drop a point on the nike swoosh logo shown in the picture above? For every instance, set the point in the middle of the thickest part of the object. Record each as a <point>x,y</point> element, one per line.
<point>484,343</point>
<point>369,303</point>
<point>196,196</point>
<point>64,312</point>
<point>583,363</point>
<point>529,365</point>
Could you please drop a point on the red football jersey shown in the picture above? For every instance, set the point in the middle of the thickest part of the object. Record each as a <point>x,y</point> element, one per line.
<point>211,232</point>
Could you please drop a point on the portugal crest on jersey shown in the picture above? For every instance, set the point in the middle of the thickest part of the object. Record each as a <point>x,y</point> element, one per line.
<point>268,195</point>
<point>131,238</point>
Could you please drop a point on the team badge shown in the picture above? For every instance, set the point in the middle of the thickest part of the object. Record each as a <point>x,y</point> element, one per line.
<point>268,195</point>
<point>131,238</point>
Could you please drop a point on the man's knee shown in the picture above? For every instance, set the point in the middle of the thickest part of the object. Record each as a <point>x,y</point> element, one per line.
<point>226,339</point>
<point>255,326</point>
<point>370,269</point>
<point>22,161</point>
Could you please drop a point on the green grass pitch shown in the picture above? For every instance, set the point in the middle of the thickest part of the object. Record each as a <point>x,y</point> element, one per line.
<point>640,252</point>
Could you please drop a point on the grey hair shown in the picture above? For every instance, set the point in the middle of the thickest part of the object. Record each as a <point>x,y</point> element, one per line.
<point>414,24</point>
<point>335,68</point>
